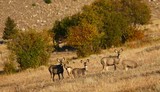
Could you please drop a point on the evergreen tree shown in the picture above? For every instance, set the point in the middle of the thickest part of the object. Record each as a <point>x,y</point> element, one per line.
<point>10,29</point>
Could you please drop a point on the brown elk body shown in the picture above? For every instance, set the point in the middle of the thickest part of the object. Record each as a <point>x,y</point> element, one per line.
<point>129,64</point>
<point>76,72</point>
<point>111,60</point>
<point>68,69</point>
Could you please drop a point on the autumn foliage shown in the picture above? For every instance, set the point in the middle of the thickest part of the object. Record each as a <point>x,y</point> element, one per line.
<point>103,24</point>
<point>82,38</point>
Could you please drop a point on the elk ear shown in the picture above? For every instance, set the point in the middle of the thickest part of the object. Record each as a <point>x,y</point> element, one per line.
<point>115,51</point>
<point>64,65</point>
<point>58,60</point>
<point>64,58</point>
<point>81,61</point>
<point>88,60</point>
<point>67,62</point>
<point>121,50</point>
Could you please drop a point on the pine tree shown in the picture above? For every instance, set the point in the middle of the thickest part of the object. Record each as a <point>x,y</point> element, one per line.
<point>10,29</point>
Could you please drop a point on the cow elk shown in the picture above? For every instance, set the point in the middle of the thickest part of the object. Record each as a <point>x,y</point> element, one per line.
<point>57,69</point>
<point>76,72</point>
<point>68,69</point>
<point>129,64</point>
<point>111,60</point>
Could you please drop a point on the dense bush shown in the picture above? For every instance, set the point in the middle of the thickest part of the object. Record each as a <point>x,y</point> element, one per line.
<point>133,34</point>
<point>137,11</point>
<point>10,29</point>
<point>115,25</point>
<point>118,19</point>
<point>60,28</point>
<point>114,19</point>
<point>83,38</point>
<point>32,48</point>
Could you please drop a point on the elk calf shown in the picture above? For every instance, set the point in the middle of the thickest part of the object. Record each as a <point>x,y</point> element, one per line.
<point>111,60</point>
<point>57,69</point>
<point>68,69</point>
<point>129,64</point>
<point>80,71</point>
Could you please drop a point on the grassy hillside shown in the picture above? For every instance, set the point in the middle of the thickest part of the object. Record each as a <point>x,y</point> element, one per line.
<point>38,15</point>
<point>144,78</point>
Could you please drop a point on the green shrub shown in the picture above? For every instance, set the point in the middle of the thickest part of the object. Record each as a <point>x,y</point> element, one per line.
<point>60,28</point>
<point>137,11</point>
<point>117,17</point>
<point>47,1</point>
<point>32,48</point>
<point>34,4</point>
<point>93,16</point>
<point>115,25</point>
<point>10,29</point>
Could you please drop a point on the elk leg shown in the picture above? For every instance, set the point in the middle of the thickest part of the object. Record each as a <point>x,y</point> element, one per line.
<point>103,68</point>
<point>74,75</point>
<point>68,73</point>
<point>53,76</point>
<point>107,68</point>
<point>59,76</point>
<point>83,73</point>
<point>62,76</point>
<point>126,68</point>
<point>115,67</point>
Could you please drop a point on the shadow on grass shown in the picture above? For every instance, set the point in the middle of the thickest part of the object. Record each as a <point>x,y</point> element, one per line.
<point>2,72</point>
<point>64,49</point>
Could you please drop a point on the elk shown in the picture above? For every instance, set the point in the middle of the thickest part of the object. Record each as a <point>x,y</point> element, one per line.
<point>68,69</point>
<point>76,72</point>
<point>57,69</point>
<point>111,60</point>
<point>129,64</point>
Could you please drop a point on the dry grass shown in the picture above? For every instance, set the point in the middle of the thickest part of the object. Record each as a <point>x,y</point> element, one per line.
<point>145,77</point>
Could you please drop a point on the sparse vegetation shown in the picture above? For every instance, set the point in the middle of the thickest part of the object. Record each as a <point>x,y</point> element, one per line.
<point>143,78</point>
<point>34,4</point>
<point>47,1</point>
<point>9,67</point>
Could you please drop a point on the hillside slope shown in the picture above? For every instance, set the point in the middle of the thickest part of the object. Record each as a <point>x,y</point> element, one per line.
<point>144,78</point>
<point>36,14</point>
